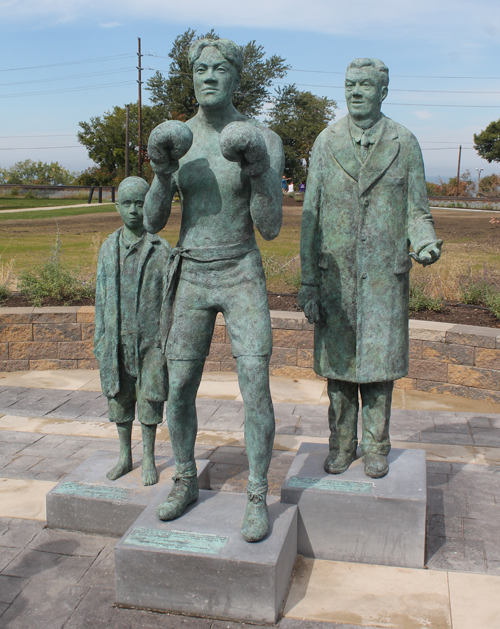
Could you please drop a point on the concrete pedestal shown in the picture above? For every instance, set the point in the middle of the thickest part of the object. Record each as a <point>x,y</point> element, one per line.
<point>351,517</point>
<point>200,564</point>
<point>89,502</point>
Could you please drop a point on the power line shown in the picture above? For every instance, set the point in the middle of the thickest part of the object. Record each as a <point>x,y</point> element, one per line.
<point>408,76</point>
<point>71,76</point>
<point>70,89</point>
<point>41,135</point>
<point>69,63</point>
<point>341,87</point>
<point>36,148</point>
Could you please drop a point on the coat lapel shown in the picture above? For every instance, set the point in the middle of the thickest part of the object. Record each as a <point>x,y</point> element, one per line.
<point>342,148</point>
<point>149,241</point>
<point>381,156</point>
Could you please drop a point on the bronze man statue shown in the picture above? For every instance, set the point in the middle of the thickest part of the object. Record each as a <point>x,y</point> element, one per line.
<point>365,203</point>
<point>227,170</point>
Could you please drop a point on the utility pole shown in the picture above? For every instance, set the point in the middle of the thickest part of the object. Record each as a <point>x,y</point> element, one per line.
<point>139,113</point>
<point>127,142</point>
<point>479,170</point>
<point>458,169</point>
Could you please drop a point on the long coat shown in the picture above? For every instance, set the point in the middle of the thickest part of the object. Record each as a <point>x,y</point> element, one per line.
<point>151,277</point>
<point>359,220</point>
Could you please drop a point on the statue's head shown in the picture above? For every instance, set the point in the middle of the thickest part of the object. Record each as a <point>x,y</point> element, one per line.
<point>217,65</point>
<point>130,204</point>
<point>366,82</point>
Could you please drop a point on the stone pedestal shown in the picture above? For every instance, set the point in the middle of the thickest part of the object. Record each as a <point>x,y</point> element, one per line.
<point>200,564</point>
<point>89,502</point>
<point>351,517</point>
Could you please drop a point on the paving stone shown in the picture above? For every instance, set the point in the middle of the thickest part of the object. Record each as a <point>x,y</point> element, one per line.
<point>102,571</point>
<point>7,554</point>
<point>486,437</point>
<point>50,566</point>
<point>12,436</point>
<point>493,567</point>
<point>447,503</point>
<point>44,604</point>
<point>481,530</point>
<point>295,623</point>
<point>457,555</point>
<point>68,543</point>
<point>10,587</point>
<point>11,447</point>
<point>21,463</point>
<point>492,550</point>
<point>17,533</point>
<point>11,395</point>
<point>237,458</point>
<point>449,438</point>
<point>439,526</point>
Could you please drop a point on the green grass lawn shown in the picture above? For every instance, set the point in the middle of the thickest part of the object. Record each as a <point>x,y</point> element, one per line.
<point>13,203</point>
<point>70,211</point>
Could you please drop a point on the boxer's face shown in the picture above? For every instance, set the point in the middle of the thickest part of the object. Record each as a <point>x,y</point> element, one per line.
<point>214,78</point>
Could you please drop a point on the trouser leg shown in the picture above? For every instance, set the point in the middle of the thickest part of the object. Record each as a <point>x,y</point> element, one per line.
<point>184,381</point>
<point>253,378</point>
<point>376,399</point>
<point>343,415</point>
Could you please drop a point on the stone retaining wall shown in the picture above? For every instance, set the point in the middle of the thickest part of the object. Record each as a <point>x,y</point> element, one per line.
<point>444,358</point>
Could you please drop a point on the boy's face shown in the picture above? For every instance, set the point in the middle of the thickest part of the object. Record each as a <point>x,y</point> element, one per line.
<point>130,206</point>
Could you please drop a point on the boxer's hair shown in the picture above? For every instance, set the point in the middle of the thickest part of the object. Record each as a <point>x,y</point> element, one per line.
<point>374,63</point>
<point>227,48</point>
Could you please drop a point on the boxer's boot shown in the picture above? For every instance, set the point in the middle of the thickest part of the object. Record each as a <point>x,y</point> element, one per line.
<point>256,521</point>
<point>183,493</point>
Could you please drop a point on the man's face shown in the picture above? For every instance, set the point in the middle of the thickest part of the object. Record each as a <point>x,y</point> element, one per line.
<point>130,205</point>
<point>214,78</point>
<point>364,92</point>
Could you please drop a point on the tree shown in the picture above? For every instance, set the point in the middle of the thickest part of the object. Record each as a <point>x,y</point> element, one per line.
<point>39,172</point>
<point>490,185</point>
<point>487,143</point>
<point>175,94</point>
<point>466,187</point>
<point>298,117</point>
<point>104,137</point>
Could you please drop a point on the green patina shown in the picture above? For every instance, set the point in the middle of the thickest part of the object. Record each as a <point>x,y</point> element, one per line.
<point>101,492</point>
<point>177,540</point>
<point>226,169</point>
<point>131,274</point>
<point>365,205</point>
<point>328,484</point>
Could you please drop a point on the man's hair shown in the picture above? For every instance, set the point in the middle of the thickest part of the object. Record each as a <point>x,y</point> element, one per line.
<point>133,182</point>
<point>227,48</point>
<point>374,63</point>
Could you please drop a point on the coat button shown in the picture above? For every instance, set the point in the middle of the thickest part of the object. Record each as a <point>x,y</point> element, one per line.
<point>366,202</point>
<point>364,238</point>
<point>364,276</point>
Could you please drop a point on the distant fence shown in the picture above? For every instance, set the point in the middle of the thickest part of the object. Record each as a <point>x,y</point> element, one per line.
<point>467,199</point>
<point>60,192</point>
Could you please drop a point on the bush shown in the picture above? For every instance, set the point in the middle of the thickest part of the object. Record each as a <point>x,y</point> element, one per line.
<point>419,300</point>
<point>482,288</point>
<point>54,280</point>
<point>4,292</point>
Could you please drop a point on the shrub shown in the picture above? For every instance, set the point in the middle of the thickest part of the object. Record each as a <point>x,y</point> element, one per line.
<point>482,288</point>
<point>420,300</point>
<point>54,280</point>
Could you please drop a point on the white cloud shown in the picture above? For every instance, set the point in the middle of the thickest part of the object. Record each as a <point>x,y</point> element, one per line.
<point>423,114</point>
<point>109,24</point>
<point>396,18</point>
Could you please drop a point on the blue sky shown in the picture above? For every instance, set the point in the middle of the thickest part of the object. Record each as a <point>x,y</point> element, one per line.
<point>432,46</point>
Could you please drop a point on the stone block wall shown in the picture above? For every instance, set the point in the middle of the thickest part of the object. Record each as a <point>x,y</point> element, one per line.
<point>47,338</point>
<point>444,358</point>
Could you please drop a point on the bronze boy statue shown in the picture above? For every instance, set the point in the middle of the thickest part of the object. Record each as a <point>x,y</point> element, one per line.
<point>129,292</point>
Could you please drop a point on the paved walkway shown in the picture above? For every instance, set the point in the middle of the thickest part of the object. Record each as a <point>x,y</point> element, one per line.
<point>58,579</point>
<point>50,207</point>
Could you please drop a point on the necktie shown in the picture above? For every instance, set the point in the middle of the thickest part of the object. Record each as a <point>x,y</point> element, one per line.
<point>365,143</point>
